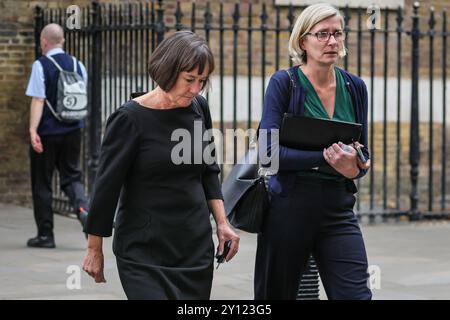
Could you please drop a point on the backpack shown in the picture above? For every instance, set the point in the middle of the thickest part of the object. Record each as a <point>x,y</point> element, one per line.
<point>71,95</point>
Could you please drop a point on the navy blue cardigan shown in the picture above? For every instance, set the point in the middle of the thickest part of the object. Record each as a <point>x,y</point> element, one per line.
<point>279,100</point>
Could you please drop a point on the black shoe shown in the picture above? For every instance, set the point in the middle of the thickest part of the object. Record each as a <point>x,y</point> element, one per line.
<point>41,242</point>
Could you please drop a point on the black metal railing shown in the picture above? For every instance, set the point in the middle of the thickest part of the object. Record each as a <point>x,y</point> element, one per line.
<point>399,61</point>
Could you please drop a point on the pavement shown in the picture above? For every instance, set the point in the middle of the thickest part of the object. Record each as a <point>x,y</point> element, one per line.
<point>409,261</point>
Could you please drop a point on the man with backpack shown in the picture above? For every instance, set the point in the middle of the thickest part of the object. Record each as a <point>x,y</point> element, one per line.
<point>58,89</point>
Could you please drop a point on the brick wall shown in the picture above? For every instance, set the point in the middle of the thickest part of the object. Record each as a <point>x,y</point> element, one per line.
<point>16,58</point>
<point>16,55</point>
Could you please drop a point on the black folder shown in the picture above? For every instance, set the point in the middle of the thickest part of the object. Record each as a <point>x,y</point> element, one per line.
<point>315,134</point>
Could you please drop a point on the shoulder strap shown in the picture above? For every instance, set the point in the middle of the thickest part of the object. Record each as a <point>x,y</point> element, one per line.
<point>137,94</point>
<point>49,105</point>
<point>291,85</point>
<point>55,63</point>
<point>74,64</point>
<point>198,106</point>
<point>291,78</point>
<point>59,67</point>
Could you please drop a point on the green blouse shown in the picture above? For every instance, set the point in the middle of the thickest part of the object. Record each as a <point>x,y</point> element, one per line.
<point>343,110</point>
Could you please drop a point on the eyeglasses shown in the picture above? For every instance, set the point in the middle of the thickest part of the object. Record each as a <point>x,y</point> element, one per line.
<point>324,36</point>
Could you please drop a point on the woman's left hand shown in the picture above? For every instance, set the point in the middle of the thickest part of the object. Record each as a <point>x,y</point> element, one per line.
<point>224,233</point>
<point>343,161</point>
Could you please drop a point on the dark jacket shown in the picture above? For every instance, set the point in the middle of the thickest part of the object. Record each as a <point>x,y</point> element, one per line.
<point>279,99</point>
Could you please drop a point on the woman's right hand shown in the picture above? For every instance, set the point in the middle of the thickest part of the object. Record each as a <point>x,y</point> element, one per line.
<point>342,161</point>
<point>93,262</point>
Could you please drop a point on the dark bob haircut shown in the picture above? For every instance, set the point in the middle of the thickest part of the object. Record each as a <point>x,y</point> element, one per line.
<point>181,51</point>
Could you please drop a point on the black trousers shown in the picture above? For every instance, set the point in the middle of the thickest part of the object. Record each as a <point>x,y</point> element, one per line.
<point>61,152</point>
<point>317,217</point>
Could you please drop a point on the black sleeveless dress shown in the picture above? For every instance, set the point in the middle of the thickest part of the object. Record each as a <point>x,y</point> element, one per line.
<point>163,236</point>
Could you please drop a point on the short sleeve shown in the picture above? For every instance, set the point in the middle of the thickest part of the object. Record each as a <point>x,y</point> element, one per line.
<point>36,84</point>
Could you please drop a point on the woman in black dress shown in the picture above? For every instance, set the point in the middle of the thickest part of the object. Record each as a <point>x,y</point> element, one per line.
<point>163,236</point>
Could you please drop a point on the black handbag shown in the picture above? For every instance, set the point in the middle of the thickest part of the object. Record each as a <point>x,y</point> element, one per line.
<point>245,195</point>
<point>246,198</point>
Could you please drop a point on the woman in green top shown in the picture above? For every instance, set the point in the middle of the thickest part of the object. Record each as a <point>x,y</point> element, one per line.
<point>311,211</point>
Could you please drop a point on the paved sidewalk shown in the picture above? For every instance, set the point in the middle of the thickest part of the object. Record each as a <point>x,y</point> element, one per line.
<point>413,258</point>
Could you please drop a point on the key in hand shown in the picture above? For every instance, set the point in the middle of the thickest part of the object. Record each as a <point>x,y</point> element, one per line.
<point>226,249</point>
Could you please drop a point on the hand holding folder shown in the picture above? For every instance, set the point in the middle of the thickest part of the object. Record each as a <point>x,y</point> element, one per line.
<point>315,134</point>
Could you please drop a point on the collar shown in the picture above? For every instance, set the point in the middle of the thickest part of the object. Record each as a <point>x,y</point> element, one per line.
<point>54,51</point>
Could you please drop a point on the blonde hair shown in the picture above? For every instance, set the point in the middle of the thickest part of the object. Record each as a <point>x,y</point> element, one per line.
<point>309,17</point>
